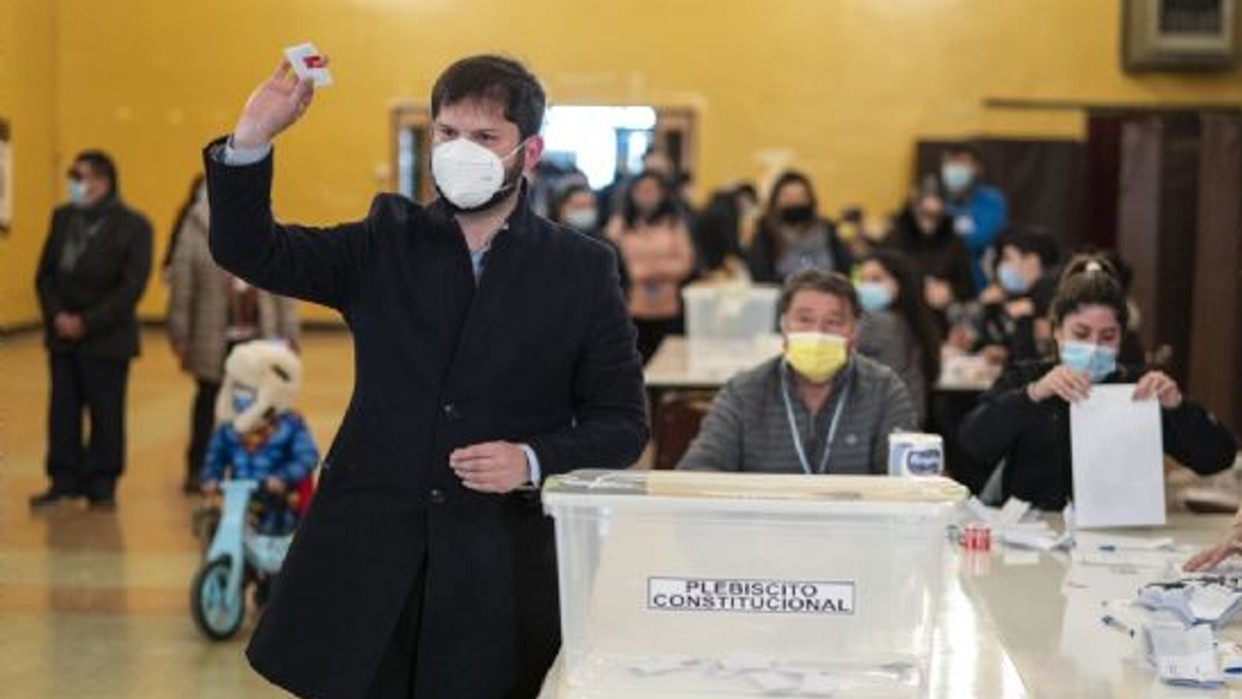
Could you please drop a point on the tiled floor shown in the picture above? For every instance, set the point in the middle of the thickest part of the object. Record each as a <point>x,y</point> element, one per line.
<point>96,604</point>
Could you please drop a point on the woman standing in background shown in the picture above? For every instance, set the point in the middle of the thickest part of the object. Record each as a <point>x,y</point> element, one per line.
<point>792,237</point>
<point>655,248</point>
<point>210,311</point>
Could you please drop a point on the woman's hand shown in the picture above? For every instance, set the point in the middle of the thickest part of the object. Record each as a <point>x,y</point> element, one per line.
<point>1157,384</point>
<point>1062,381</point>
<point>1214,555</point>
<point>992,295</point>
<point>937,293</point>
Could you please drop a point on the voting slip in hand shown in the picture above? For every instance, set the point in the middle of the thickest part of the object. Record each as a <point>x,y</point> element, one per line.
<point>1118,459</point>
<point>309,64</point>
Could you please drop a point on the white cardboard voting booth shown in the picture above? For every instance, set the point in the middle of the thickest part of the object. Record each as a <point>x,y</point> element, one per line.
<point>706,585</point>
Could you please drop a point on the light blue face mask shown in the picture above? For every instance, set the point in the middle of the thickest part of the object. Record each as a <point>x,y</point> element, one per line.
<point>242,400</point>
<point>1097,361</point>
<point>957,177</point>
<point>77,192</point>
<point>1011,279</point>
<point>873,296</point>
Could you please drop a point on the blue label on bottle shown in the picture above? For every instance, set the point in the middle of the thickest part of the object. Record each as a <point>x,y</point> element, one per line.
<point>923,462</point>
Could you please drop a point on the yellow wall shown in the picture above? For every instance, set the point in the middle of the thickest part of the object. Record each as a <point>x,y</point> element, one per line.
<point>842,88</point>
<point>27,99</point>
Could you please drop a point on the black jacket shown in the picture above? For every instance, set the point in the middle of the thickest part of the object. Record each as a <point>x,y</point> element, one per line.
<point>103,287</point>
<point>941,255</point>
<point>764,253</point>
<point>1034,438</point>
<point>541,352</point>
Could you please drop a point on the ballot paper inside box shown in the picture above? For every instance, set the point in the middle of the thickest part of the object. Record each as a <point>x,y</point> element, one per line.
<point>699,585</point>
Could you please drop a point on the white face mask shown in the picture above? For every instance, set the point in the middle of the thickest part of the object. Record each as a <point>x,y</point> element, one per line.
<point>581,219</point>
<point>468,175</point>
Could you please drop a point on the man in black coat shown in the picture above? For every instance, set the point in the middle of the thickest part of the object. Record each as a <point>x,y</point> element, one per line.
<point>492,350</point>
<point>91,274</point>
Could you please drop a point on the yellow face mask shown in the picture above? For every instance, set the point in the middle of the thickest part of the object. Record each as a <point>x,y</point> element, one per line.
<point>816,356</point>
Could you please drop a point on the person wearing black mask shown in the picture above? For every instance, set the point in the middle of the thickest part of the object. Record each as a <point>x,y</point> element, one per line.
<point>792,237</point>
<point>91,274</point>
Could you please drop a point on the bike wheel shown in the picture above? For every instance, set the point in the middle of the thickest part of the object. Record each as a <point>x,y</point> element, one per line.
<point>218,611</point>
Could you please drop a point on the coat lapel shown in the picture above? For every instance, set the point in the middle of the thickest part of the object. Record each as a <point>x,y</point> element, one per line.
<point>502,270</point>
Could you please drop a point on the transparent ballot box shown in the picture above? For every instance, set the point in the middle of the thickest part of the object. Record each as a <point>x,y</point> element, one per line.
<point>688,585</point>
<point>730,327</point>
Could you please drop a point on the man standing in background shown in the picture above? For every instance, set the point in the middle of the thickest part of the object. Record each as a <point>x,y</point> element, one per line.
<point>91,274</point>
<point>979,212</point>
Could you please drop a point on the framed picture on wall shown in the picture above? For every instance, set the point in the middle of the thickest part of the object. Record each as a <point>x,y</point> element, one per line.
<point>6,179</point>
<point>1179,35</point>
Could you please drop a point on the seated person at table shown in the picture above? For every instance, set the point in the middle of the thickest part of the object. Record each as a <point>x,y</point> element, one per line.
<point>819,408</point>
<point>1011,324</point>
<point>896,328</point>
<point>1024,418</point>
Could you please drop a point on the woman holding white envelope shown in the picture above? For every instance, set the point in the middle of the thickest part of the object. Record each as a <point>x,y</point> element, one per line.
<point>1025,418</point>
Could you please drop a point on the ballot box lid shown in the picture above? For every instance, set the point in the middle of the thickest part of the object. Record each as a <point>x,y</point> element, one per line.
<point>585,487</point>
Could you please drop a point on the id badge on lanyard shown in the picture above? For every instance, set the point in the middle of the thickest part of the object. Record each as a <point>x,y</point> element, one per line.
<point>832,426</point>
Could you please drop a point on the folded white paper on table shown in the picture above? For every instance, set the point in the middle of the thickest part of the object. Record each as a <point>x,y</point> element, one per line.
<point>1012,513</point>
<point>1036,540</point>
<point>1117,451</point>
<point>1183,656</point>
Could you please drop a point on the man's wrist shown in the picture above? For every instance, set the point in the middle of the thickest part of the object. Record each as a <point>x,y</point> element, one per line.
<point>533,471</point>
<point>234,153</point>
<point>247,139</point>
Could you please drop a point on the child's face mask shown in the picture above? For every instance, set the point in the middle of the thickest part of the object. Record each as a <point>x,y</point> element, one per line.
<point>243,398</point>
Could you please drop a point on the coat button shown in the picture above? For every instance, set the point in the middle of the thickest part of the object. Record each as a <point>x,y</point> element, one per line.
<point>450,411</point>
<point>437,496</point>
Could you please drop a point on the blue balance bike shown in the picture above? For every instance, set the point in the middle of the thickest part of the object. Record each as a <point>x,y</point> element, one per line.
<point>237,557</point>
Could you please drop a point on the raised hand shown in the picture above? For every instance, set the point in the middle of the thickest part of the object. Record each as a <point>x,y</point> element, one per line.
<point>273,107</point>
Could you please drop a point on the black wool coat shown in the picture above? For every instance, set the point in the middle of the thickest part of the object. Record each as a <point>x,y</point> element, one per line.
<point>540,352</point>
<point>105,285</point>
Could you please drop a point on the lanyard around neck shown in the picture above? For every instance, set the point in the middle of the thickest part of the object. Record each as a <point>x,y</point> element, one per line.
<point>832,427</point>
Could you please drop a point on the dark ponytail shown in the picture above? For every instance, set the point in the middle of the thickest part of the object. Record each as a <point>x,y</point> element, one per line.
<point>1089,280</point>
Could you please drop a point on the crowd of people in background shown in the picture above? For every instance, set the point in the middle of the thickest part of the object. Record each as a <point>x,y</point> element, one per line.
<point>948,274</point>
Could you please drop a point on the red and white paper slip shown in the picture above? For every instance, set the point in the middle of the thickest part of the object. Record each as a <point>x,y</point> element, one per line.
<point>308,63</point>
